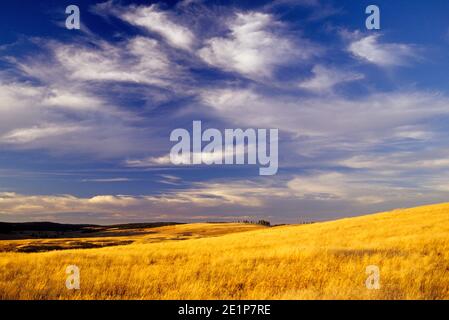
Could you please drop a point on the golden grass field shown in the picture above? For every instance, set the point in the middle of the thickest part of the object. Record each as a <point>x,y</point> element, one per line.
<point>236,261</point>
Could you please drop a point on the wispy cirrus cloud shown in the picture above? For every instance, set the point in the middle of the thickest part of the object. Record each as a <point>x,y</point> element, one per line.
<point>138,60</point>
<point>64,103</point>
<point>152,19</point>
<point>65,122</point>
<point>186,158</point>
<point>326,78</point>
<point>107,180</point>
<point>371,49</point>
<point>254,46</point>
<point>27,135</point>
<point>375,114</point>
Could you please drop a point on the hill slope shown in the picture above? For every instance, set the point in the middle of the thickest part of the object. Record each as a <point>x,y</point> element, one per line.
<point>319,261</point>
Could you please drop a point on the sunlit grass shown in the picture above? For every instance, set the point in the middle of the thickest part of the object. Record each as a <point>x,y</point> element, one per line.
<point>317,261</point>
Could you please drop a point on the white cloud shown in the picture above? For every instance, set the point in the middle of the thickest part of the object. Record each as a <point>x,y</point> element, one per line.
<point>334,186</point>
<point>23,105</point>
<point>325,78</point>
<point>138,60</point>
<point>186,158</point>
<point>155,20</point>
<point>370,49</point>
<point>66,99</point>
<point>27,135</point>
<point>373,116</point>
<point>322,131</point>
<point>13,203</point>
<point>148,162</point>
<point>254,47</point>
<point>61,110</point>
<point>22,95</point>
<point>216,198</point>
<point>170,179</point>
<point>323,186</point>
<point>106,180</point>
<point>414,132</point>
<point>400,162</point>
<point>200,195</point>
<point>42,117</point>
<point>359,189</point>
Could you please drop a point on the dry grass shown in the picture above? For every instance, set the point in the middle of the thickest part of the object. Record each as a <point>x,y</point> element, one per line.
<point>318,261</point>
<point>117,236</point>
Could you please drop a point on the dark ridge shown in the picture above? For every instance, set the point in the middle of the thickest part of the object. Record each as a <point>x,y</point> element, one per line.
<point>6,227</point>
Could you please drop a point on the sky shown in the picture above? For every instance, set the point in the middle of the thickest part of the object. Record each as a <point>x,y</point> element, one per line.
<point>86,115</point>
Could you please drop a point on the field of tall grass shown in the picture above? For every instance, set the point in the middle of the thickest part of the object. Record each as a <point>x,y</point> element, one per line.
<point>315,261</point>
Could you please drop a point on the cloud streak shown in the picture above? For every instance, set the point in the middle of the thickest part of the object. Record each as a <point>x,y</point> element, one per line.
<point>371,50</point>
<point>254,47</point>
<point>326,78</point>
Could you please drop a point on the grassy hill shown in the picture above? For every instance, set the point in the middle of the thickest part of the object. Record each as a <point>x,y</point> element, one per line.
<point>234,261</point>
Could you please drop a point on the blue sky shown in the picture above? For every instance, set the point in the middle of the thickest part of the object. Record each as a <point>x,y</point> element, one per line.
<point>86,115</point>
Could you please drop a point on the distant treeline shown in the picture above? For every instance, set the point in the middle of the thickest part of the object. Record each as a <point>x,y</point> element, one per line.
<point>306,222</point>
<point>268,223</point>
<point>260,222</point>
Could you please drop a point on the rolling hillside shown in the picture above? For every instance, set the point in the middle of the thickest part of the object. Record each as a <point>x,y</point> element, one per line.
<point>204,261</point>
